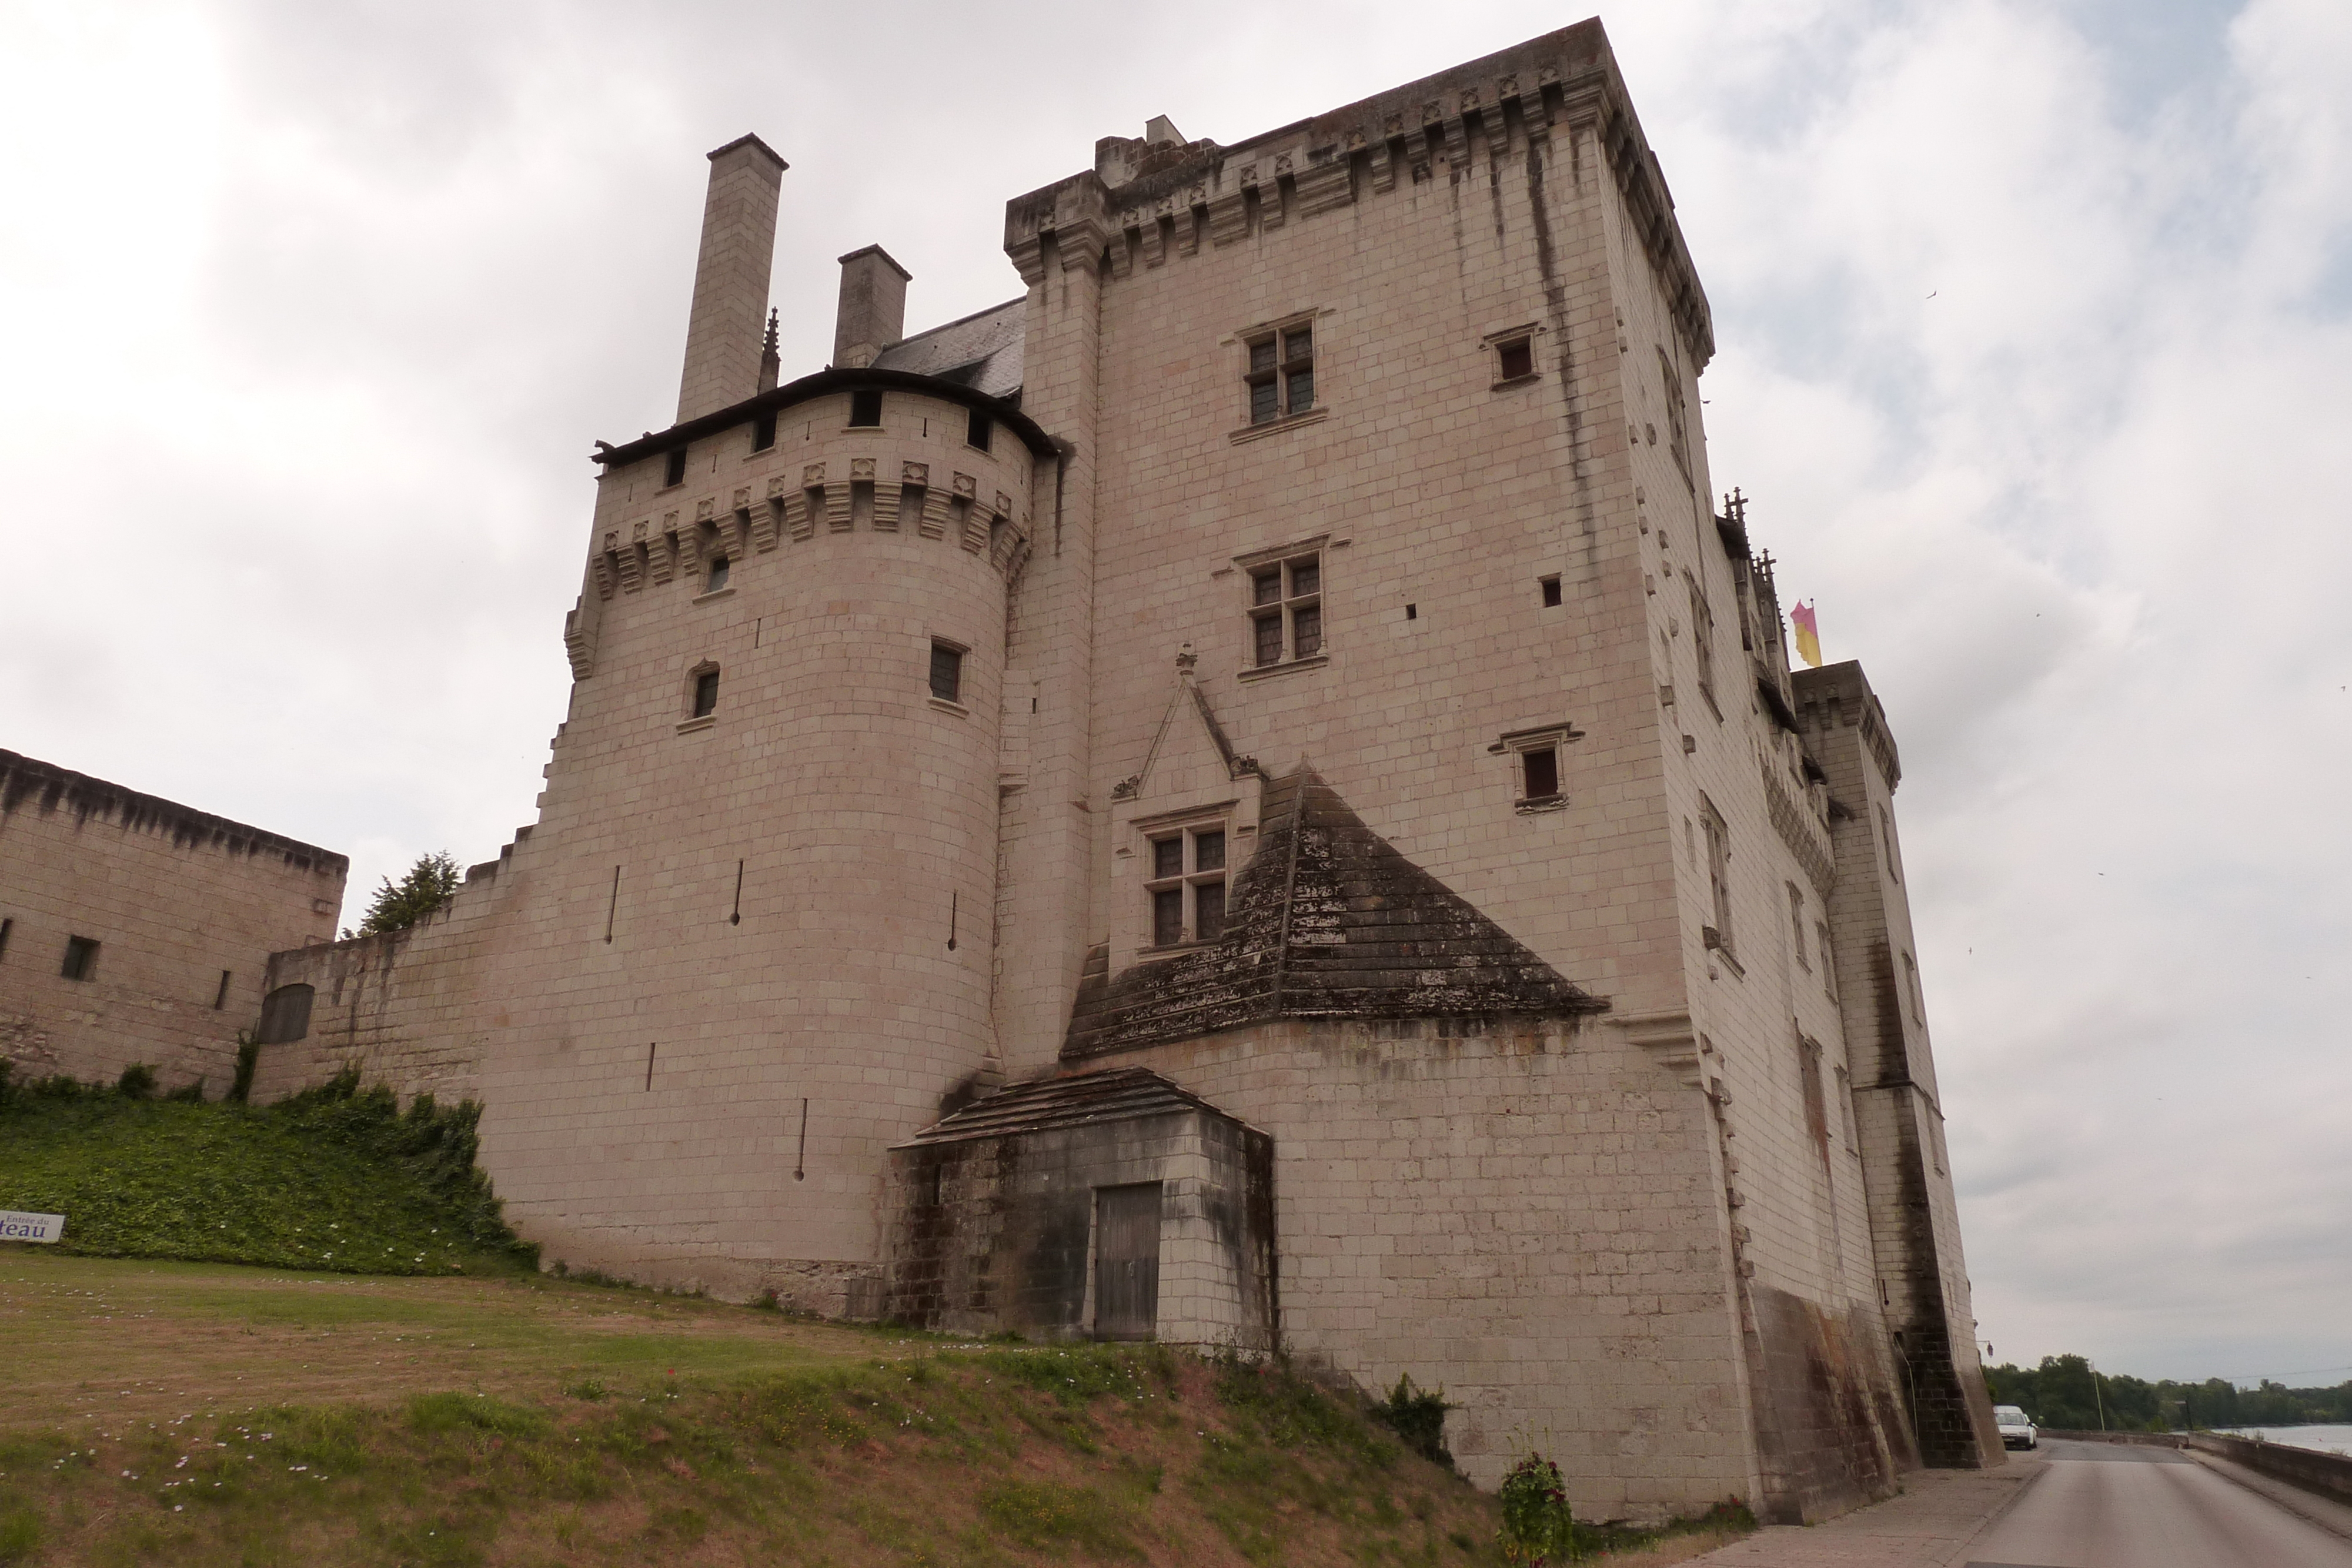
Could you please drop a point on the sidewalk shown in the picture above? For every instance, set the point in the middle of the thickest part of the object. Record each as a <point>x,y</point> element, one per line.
<point>1928,1526</point>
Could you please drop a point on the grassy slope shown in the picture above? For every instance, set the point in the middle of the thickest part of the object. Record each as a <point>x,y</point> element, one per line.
<point>185,1412</point>
<point>335,1179</point>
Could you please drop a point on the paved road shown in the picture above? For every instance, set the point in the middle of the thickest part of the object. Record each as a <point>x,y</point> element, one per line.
<point>2112,1505</point>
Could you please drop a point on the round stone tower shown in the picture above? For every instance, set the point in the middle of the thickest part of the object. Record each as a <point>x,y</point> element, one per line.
<point>791,663</point>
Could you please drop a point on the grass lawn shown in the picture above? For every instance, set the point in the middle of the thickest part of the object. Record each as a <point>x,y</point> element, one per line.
<point>204,1413</point>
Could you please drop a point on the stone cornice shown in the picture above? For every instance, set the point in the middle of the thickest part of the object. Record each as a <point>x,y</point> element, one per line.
<point>1203,196</point>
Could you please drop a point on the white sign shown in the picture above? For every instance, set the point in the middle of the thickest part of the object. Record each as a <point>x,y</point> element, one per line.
<point>19,1227</point>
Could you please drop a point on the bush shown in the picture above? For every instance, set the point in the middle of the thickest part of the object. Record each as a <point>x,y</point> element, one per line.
<point>1418,1417</point>
<point>137,1083</point>
<point>429,884</point>
<point>1537,1527</point>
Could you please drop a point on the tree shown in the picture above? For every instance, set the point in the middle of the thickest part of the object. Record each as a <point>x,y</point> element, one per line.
<point>426,888</point>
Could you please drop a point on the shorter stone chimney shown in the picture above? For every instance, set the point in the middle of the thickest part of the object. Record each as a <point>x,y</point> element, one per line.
<point>873,308</point>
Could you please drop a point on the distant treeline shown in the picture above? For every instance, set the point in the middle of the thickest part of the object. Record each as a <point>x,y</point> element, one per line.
<point>2059,1393</point>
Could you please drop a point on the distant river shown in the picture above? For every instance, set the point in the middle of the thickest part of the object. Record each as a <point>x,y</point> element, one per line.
<point>2327,1440</point>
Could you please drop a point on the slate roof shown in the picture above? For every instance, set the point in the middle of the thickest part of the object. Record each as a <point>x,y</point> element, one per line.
<point>1119,1094</point>
<point>981,351</point>
<point>1328,920</point>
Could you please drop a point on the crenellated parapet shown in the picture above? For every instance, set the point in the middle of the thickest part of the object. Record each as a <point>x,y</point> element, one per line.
<point>871,494</point>
<point>1175,200</point>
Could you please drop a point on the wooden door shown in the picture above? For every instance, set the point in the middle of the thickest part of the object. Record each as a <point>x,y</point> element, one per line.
<point>1126,1262</point>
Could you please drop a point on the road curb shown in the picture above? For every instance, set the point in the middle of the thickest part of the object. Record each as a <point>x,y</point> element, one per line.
<point>2285,1496</point>
<point>2040,1470</point>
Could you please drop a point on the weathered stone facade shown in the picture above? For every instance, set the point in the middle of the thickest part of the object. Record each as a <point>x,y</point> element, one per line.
<point>180,911</point>
<point>1273,719</point>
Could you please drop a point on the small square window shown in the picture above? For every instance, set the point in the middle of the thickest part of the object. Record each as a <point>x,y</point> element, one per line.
<point>1551,588</point>
<point>1287,610</point>
<point>865,408</point>
<point>706,693</point>
<point>717,579</point>
<point>979,430</point>
<point>674,467</point>
<point>947,672</point>
<point>81,958</point>
<point>1514,358</point>
<point>763,432</point>
<point>1539,768</point>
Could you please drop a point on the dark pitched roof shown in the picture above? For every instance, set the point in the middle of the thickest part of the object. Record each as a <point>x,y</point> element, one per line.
<point>1120,1094</point>
<point>1328,921</point>
<point>981,351</point>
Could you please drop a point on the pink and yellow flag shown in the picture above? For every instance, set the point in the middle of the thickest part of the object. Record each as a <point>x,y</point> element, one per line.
<point>1809,634</point>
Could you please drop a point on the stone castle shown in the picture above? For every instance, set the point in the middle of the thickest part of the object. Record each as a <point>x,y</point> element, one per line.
<point>1248,795</point>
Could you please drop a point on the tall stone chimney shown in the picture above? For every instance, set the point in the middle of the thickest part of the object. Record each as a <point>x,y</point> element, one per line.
<point>873,307</point>
<point>730,279</point>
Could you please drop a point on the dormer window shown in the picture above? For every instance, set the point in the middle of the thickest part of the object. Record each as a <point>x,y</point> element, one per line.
<point>1187,889</point>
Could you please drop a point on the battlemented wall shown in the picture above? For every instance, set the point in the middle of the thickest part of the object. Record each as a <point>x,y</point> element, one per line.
<point>185,908</point>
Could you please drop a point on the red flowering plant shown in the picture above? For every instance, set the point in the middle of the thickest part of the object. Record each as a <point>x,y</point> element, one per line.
<point>1538,1528</point>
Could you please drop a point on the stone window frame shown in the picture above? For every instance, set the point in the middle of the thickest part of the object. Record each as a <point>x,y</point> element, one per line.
<point>1796,924</point>
<point>1186,826</point>
<point>1845,1105</point>
<point>1886,844</point>
<point>1718,937</point>
<point>697,717</point>
<point>1318,363</point>
<point>1703,642</point>
<point>1500,345</point>
<point>1829,963</point>
<point>81,958</point>
<point>1677,418</point>
<point>1277,372</point>
<point>934,646</point>
<point>1282,561</point>
<point>1517,745</point>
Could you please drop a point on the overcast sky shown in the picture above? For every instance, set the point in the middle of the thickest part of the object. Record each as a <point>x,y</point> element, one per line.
<point>2032,337</point>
